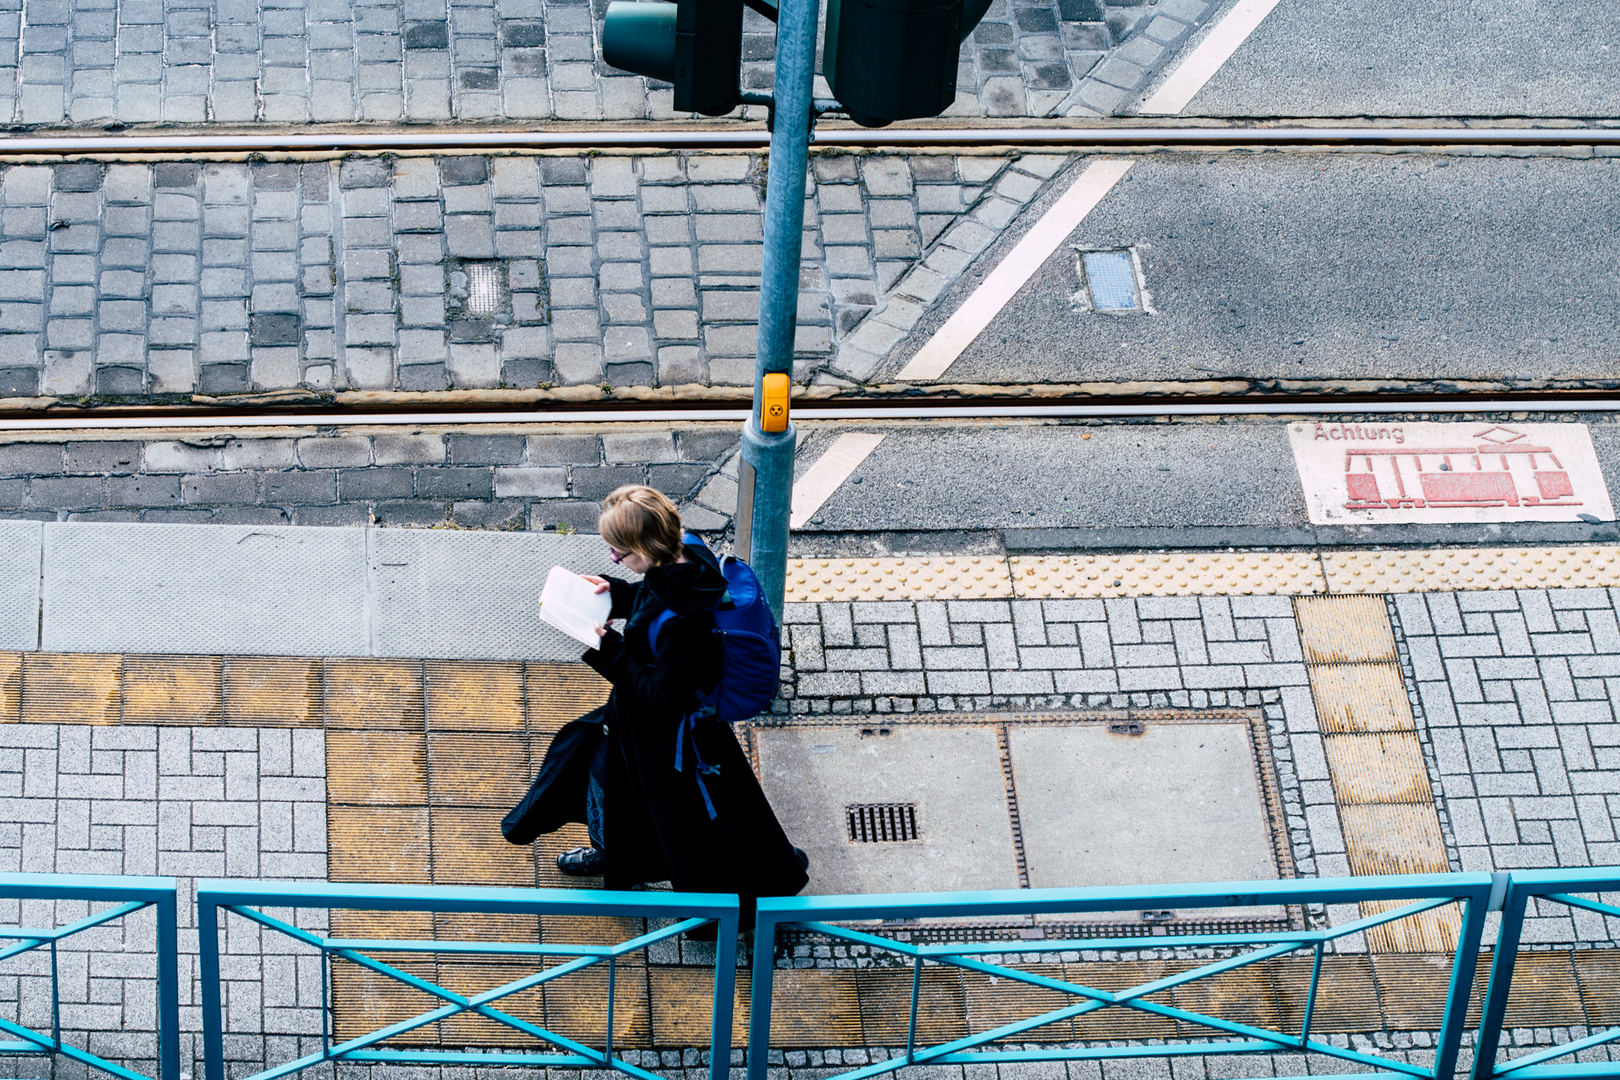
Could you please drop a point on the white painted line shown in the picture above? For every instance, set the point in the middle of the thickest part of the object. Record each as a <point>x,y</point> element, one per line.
<point>828,474</point>
<point>1203,62</point>
<point>969,321</point>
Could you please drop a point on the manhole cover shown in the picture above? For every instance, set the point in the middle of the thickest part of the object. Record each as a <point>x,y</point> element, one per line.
<point>1038,801</point>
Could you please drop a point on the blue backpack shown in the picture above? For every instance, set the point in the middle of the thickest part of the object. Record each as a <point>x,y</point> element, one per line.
<point>750,660</point>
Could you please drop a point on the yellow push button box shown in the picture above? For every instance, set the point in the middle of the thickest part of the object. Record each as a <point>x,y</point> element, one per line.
<point>773,405</point>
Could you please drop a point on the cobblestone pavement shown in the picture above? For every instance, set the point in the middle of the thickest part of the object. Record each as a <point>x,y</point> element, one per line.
<point>494,481</point>
<point>1518,692</point>
<point>236,62</point>
<point>175,801</point>
<point>133,281</point>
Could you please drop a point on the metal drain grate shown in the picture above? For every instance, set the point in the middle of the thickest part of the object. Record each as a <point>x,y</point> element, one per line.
<point>881,823</point>
<point>1112,280</point>
<point>483,288</point>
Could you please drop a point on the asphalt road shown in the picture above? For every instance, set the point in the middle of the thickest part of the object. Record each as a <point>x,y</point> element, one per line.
<point>1160,477</point>
<point>1323,266</point>
<point>989,476</point>
<point>1551,58</point>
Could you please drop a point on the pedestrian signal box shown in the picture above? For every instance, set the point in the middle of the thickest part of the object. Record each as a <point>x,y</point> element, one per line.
<point>694,44</point>
<point>888,60</point>
<point>773,403</point>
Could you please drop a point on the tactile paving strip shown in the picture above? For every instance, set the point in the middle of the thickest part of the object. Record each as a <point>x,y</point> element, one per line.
<point>1471,568</point>
<point>1173,574</point>
<point>958,577</point>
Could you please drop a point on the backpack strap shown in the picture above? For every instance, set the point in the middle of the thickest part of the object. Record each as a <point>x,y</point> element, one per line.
<point>657,625</point>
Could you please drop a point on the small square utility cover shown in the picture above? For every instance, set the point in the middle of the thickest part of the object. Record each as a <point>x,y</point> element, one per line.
<point>1178,802</point>
<point>851,795</point>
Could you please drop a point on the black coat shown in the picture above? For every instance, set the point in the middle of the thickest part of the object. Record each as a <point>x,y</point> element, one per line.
<point>656,824</point>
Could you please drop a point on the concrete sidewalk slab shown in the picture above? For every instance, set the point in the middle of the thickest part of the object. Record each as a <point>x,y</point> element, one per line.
<point>214,589</point>
<point>451,595</point>
<point>19,584</point>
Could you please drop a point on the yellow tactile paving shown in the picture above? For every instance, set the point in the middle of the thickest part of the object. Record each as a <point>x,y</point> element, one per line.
<point>374,694</point>
<point>1375,762</point>
<point>10,687</point>
<point>1471,568</point>
<point>1433,932</point>
<point>1360,697</point>
<point>468,849</point>
<point>273,691</point>
<point>959,577</point>
<point>992,1002</point>
<point>681,1009</point>
<point>477,768</point>
<point>1173,574</point>
<point>171,690</point>
<point>72,688</point>
<point>1346,997</point>
<point>375,768</point>
<point>469,695</point>
<point>1345,629</point>
<point>1381,767</point>
<point>1598,975</point>
<point>470,977</point>
<point>1412,990</point>
<point>1394,838</point>
<point>379,844</point>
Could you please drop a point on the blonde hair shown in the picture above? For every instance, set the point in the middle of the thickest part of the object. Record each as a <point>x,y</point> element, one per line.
<point>641,519</point>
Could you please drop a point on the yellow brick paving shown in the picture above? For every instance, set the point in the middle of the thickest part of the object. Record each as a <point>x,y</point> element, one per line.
<point>423,757</point>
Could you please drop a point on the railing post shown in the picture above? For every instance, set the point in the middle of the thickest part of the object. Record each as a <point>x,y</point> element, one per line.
<point>208,971</point>
<point>1462,986</point>
<point>168,972</point>
<point>725,990</point>
<point>759,991</point>
<point>1493,1010</point>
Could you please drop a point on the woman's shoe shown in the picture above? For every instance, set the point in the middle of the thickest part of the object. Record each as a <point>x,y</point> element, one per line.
<point>583,862</point>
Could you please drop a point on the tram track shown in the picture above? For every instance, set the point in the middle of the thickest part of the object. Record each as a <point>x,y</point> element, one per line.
<point>1136,136</point>
<point>848,410</point>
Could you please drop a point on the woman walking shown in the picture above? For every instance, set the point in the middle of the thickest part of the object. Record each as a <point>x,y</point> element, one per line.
<point>651,813</point>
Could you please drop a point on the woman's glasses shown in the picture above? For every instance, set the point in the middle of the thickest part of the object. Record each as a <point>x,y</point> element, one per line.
<point>615,554</point>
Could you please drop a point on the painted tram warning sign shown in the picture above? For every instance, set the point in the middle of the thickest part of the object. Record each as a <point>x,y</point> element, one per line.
<point>1381,473</point>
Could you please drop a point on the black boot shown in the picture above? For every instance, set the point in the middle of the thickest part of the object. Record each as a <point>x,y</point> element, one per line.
<point>583,862</point>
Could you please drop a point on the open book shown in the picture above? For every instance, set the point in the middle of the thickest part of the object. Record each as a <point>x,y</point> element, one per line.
<point>572,605</point>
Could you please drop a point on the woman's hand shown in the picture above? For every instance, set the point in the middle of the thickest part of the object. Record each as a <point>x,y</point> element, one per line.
<point>600,583</point>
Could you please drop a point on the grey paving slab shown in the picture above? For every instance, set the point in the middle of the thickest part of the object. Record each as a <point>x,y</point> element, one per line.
<point>952,775</point>
<point>1425,268</point>
<point>1179,802</point>
<point>203,589</point>
<point>472,595</point>
<point>21,545</point>
<point>1476,59</point>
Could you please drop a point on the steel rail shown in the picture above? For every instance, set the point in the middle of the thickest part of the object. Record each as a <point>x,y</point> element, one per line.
<point>756,138</point>
<point>868,412</point>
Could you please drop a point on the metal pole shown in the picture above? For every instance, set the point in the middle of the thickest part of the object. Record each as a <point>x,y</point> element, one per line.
<point>767,473</point>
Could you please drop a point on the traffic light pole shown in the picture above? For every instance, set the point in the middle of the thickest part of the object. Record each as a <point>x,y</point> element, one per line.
<point>766,477</point>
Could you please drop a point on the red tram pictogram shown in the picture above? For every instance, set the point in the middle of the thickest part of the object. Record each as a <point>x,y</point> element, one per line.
<point>1499,470</point>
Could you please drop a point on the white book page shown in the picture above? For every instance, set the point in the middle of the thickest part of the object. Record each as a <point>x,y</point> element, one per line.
<point>572,605</point>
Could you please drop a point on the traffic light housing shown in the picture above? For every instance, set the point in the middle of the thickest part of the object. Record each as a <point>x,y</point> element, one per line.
<point>694,44</point>
<point>888,60</point>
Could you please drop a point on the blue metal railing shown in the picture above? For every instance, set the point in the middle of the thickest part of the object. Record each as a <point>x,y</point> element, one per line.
<point>128,895</point>
<point>1414,894</point>
<point>246,898</point>
<point>1548,886</point>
